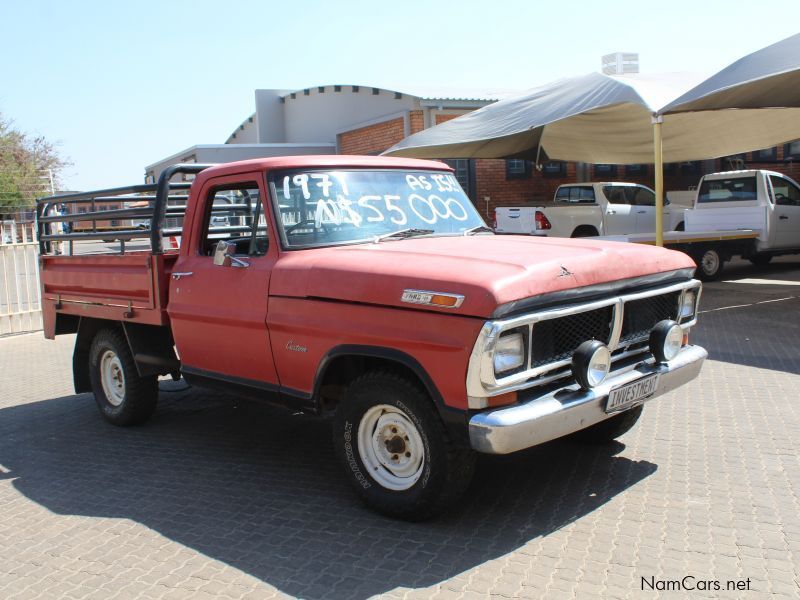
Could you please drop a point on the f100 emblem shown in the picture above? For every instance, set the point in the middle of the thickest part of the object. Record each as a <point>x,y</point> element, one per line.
<point>290,345</point>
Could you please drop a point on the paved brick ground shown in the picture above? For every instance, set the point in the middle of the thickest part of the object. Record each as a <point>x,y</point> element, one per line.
<point>219,498</point>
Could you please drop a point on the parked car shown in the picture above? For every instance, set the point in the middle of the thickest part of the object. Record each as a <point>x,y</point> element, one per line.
<point>368,290</point>
<point>754,214</point>
<point>591,209</point>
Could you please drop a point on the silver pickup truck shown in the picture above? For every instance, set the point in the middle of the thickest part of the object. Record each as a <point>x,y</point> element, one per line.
<point>590,209</point>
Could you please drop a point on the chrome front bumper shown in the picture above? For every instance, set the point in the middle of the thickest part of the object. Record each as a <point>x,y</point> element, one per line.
<point>570,409</point>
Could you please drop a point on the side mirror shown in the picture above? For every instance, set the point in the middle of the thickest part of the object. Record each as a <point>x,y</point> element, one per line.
<point>224,255</point>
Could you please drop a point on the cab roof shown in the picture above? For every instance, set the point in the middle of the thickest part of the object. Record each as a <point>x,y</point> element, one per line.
<point>320,161</point>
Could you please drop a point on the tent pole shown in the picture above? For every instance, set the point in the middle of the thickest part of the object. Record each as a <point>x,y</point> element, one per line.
<point>658,166</point>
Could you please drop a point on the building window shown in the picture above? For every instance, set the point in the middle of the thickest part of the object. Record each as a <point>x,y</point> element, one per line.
<point>355,89</point>
<point>603,170</point>
<point>465,174</point>
<point>765,155</point>
<point>554,168</point>
<point>306,92</point>
<point>689,167</point>
<point>792,150</point>
<point>398,96</point>
<point>638,170</point>
<point>376,91</point>
<point>293,95</point>
<point>337,88</point>
<point>517,168</point>
<point>321,89</point>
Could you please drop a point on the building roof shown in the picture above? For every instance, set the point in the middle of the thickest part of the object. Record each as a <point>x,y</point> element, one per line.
<point>426,92</point>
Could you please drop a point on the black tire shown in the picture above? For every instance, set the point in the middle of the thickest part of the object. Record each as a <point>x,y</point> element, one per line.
<point>584,231</point>
<point>760,260</point>
<point>609,430</point>
<point>709,264</point>
<point>445,469</point>
<point>136,397</point>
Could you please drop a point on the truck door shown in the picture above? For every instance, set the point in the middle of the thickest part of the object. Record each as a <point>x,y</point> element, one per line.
<point>619,217</point>
<point>786,214</point>
<point>218,312</point>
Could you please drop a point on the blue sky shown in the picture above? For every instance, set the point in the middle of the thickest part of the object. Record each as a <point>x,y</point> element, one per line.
<point>119,85</point>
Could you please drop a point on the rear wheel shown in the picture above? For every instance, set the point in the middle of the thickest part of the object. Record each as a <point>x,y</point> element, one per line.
<point>122,395</point>
<point>395,450</point>
<point>709,264</point>
<point>760,260</point>
<point>610,429</point>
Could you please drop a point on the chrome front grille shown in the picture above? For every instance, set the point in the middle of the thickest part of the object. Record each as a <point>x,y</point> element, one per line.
<point>556,339</point>
<point>552,335</point>
<point>642,315</point>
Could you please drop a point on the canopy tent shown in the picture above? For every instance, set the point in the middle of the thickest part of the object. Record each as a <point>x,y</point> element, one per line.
<point>753,103</point>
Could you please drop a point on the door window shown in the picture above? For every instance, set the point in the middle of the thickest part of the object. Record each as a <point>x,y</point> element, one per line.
<point>786,192</point>
<point>236,214</point>
<point>616,194</point>
<point>641,196</point>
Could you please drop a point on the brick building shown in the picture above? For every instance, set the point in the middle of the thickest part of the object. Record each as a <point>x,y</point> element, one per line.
<point>352,119</point>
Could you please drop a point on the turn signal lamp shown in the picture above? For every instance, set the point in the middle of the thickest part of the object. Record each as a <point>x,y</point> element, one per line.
<point>440,299</point>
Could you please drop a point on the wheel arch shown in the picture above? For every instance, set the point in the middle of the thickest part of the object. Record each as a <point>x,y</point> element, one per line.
<point>87,329</point>
<point>151,347</point>
<point>341,364</point>
<point>585,231</point>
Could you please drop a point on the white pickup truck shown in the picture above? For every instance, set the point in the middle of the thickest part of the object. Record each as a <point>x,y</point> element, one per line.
<point>589,209</point>
<point>753,214</point>
<point>766,202</point>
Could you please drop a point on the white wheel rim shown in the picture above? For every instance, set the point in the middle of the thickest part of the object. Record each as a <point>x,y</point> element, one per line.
<point>391,448</point>
<point>710,262</point>
<point>112,378</point>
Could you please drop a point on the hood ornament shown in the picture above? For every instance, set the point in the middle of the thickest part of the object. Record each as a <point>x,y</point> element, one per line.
<point>564,272</point>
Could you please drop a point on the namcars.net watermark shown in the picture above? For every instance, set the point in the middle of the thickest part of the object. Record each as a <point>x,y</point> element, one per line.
<point>690,583</point>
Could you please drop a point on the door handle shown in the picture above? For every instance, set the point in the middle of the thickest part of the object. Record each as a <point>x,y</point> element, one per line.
<point>783,218</point>
<point>612,212</point>
<point>177,276</point>
<point>640,212</point>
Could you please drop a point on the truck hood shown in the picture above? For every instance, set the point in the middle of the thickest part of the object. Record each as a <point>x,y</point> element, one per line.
<point>489,271</point>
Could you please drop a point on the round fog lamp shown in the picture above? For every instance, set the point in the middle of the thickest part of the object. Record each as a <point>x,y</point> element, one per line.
<point>666,340</point>
<point>591,363</point>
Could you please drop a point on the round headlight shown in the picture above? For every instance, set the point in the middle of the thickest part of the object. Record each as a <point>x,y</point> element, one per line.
<point>666,340</point>
<point>591,363</point>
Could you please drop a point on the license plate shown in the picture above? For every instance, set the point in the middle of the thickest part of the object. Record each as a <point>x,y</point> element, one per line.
<point>628,395</point>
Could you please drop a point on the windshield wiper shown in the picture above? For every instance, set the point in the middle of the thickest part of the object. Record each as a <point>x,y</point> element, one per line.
<point>402,234</point>
<point>478,229</point>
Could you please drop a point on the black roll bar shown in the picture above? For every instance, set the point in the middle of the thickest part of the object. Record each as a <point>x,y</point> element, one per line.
<point>162,195</point>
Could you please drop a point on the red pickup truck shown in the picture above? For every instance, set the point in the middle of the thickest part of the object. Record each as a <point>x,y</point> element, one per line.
<point>370,291</point>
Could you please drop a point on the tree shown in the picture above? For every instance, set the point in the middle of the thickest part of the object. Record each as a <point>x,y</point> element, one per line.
<point>26,167</point>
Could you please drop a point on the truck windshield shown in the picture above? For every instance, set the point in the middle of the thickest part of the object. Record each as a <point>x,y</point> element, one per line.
<point>324,208</point>
<point>736,189</point>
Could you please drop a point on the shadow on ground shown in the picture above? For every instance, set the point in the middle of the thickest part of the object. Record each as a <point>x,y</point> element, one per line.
<point>260,491</point>
<point>755,325</point>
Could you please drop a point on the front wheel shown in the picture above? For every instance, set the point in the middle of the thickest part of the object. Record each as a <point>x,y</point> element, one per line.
<point>395,450</point>
<point>709,264</point>
<point>122,395</point>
